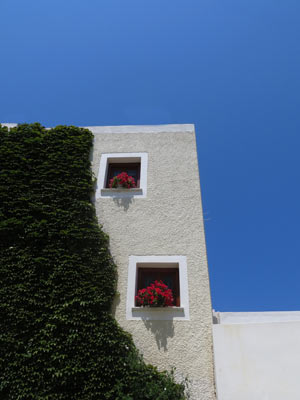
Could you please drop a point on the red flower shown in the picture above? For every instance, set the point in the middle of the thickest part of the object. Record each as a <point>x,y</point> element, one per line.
<point>122,180</point>
<point>156,295</point>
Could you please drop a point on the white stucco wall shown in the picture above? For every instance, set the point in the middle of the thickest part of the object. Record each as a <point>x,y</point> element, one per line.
<point>257,356</point>
<point>167,222</point>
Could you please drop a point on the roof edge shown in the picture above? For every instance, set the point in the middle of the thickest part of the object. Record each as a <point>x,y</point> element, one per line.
<point>180,128</point>
<point>229,318</point>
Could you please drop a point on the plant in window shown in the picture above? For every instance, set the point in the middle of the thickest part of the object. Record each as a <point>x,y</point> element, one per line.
<point>123,180</point>
<point>156,295</point>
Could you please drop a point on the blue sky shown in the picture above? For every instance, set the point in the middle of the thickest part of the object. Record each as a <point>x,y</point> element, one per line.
<point>231,67</point>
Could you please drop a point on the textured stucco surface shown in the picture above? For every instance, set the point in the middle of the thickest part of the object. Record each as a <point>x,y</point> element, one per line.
<point>257,356</point>
<point>167,222</point>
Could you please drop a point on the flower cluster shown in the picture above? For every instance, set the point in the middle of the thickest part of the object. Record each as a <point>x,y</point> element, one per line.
<point>122,180</point>
<point>156,295</point>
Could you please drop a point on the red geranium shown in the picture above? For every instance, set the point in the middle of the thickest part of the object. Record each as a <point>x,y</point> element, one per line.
<point>122,180</point>
<point>156,295</point>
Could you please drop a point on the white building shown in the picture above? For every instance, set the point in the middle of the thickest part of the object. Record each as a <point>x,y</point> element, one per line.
<point>257,355</point>
<point>157,231</point>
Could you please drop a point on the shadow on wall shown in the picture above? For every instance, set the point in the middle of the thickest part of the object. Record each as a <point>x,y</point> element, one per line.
<point>162,330</point>
<point>115,304</point>
<point>123,202</point>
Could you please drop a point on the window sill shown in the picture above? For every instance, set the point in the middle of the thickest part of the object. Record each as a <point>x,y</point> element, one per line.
<point>157,309</point>
<point>158,313</point>
<point>120,192</point>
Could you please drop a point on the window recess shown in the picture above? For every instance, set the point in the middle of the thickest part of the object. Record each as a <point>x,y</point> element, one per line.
<point>169,276</point>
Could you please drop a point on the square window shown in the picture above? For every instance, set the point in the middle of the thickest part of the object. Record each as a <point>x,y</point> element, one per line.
<point>169,276</point>
<point>132,169</point>
<point>171,270</point>
<point>112,164</point>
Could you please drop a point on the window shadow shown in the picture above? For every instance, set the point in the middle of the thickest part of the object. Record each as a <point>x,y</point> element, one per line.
<point>162,331</point>
<point>123,202</point>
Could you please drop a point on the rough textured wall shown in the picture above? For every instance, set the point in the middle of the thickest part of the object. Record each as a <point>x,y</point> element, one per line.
<point>167,222</point>
<point>257,356</point>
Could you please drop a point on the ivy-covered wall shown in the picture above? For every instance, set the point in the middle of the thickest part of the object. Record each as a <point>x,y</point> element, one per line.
<point>58,339</point>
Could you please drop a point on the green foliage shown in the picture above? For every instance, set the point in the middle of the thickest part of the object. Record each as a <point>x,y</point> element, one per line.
<point>58,339</point>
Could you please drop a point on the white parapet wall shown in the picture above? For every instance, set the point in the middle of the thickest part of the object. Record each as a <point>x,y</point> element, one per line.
<point>257,355</point>
<point>159,223</point>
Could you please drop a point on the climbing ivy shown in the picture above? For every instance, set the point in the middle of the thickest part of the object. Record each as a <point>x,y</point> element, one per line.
<point>58,339</point>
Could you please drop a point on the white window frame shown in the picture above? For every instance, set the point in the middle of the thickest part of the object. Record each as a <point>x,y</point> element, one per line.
<point>159,313</point>
<point>110,158</point>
